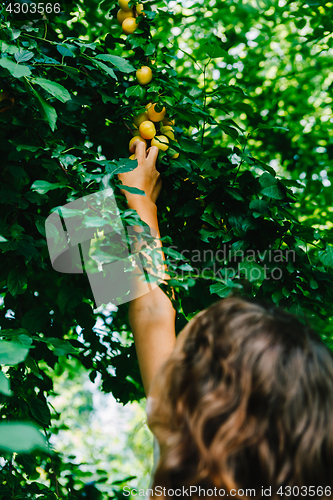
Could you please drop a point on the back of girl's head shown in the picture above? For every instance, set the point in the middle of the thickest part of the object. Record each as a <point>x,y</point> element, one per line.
<point>245,401</point>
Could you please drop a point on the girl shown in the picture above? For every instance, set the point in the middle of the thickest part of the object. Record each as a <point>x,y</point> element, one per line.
<point>242,403</point>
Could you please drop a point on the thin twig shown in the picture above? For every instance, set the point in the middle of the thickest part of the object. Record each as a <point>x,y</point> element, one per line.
<point>45,32</point>
<point>204,108</point>
<point>128,128</point>
<point>15,218</point>
<point>52,463</point>
<point>56,479</point>
<point>242,161</point>
<point>62,167</point>
<point>189,55</point>
<point>205,101</point>
<point>93,208</point>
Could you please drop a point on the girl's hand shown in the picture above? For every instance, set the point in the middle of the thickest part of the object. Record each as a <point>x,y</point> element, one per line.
<point>145,176</point>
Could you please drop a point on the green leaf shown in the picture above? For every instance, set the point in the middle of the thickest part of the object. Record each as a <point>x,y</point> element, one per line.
<point>137,42</point>
<point>173,253</point>
<point>21,437</point>
<point>195,92</point>
<point>16,231</point>
<point>94,221</point>
<point>84,316</point>
<point>150,49</point>
<point>67,212</point>
<point>252,270</point>
<point>150,14</point>
<point>206,217</point>
<point>68,298</point>
<point>3,239</point>
<point>16,282</point>
<point>182,163</point>
<point>223,288</point>
<point>205,235</point>
<point>277,296</point>
<point>10,333</point>
<point>65,50</point>
<point>35,319</point>
<point>249,223</point>
<point>61,347</point>
<point>214,50</point>
<point>47,111</point>
<point>106,68</point>
<point>154,88</point>
<point>190,146</point>
<point>273,192</point>
<point>118,166</point>
<point>270,127</point>
<point>13,33</point>
<point>135,91</point>
<point>16,70</point>
<point>108,98</point>
<point>55,89</point>
<point>40,224</point>
<point>24,340</point>
<point>234,193</point>
<point>43,187</point>
<point>259,206</point>
<point>132,190</point>
<point>85,45</point>
<point>262,165</point>
<point>303,231</point>
<point>270,186</point>
<point>187,117</point>
<point>170,101</point>
<point>40,411</point>
<point>32,365</point>
<point>4,385</point>
<point>8,48</point>
<point>228,130</point>
<point>12,353</point>
<point>313,284</point>
<point>125,480</point>
<point>23,55</point>
<point>122,64</point>
<point>326,256</point>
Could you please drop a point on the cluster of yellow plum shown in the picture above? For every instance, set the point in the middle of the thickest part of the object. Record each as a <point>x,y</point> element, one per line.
<point>127,16</point>
<point>151,125</point>
<point>154,126</point>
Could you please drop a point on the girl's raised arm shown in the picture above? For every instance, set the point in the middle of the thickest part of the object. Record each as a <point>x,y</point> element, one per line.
<point>151,316</point>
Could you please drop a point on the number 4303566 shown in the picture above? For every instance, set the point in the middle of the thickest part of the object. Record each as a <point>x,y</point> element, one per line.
<point>33,8</point>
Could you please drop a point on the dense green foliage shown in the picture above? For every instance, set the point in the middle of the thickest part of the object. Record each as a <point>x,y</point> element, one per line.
<point>250,87</point>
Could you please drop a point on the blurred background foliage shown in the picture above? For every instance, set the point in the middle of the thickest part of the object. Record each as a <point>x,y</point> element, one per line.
<point>107,441</point>
<point>249,84</point>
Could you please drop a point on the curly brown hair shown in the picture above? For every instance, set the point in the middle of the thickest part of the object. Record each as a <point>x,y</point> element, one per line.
<point>245,401</point>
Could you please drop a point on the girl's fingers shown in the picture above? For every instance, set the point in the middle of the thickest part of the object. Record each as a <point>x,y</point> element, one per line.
<point>140,151</point>
<point>139,148</point>
<point>152,153</point>
<point>143,155</point>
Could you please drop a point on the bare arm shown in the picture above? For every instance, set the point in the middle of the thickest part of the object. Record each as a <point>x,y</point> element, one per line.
<point>151,316</point>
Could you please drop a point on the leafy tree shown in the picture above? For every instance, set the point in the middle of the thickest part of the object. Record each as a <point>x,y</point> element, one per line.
<point>249,85</point>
